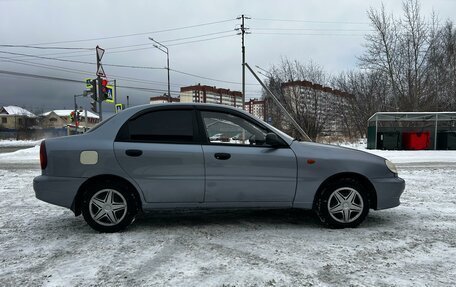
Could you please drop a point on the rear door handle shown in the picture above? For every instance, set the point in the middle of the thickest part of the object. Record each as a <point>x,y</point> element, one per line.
<point>133,152</point>
<point>222,156</point>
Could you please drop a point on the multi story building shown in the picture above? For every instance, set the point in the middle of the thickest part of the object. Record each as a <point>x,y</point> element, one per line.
<point>257,108</point>
<point>162,99</point>
<point>211,95</point>
<point>329,106</point>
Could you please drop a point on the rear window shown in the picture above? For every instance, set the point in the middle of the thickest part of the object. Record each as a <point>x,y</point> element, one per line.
<point>169,126</point>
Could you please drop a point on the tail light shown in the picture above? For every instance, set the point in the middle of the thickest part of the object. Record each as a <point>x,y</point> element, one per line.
<point>43,155</point>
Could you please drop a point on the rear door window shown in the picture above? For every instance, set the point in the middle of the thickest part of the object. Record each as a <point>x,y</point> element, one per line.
<point>167,126</point>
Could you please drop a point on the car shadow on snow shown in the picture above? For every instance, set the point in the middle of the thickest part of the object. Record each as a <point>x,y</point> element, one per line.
<point>233,218</point>
<point>255,219</point>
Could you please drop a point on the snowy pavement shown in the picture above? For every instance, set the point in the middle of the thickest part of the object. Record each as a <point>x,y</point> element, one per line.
<point>411,245</point>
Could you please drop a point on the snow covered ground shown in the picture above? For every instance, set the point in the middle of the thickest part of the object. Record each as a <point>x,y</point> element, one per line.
<point>411,245</point>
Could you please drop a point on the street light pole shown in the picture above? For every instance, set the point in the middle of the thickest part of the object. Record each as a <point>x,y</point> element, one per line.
<point>160,47</point>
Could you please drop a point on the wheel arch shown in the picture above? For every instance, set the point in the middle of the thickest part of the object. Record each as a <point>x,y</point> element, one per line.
<point>76,205</point>
<point>371,192</point>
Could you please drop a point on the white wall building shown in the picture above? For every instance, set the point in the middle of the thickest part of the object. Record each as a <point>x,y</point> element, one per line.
<point>211,95</point>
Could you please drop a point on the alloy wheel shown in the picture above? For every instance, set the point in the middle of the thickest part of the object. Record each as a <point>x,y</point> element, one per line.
<point>108,207</point>
<point>345,205</point>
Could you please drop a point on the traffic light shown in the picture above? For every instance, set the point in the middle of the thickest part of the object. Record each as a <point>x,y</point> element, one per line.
<point>103,89</point>
<point>93,89</point>
<point>72,117</point>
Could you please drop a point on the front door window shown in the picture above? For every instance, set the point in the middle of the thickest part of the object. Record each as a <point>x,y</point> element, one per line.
<point>230,129</point>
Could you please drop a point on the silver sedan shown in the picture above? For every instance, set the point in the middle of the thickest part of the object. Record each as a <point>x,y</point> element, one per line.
<point>166,157</point>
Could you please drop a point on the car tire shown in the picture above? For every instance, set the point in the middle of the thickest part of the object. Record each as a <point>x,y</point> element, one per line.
<point>343,204</point>
<point>109,206</point>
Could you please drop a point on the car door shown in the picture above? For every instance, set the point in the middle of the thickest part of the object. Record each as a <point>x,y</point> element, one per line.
<point>160,151</point>
<point>241,167</point>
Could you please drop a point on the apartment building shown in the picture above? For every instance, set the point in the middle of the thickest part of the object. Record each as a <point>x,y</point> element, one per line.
<point>257,108</point>
<point>330,105</point>
<point>163,99</point>
<point>211,95</point>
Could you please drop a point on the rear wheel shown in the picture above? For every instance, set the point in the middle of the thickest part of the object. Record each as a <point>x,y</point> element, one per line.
<point>109,207</point>
<point>343,203</point>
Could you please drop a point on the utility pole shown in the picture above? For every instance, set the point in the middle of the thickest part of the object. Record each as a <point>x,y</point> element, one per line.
<point>242,33</point>
<point>99,94</point>
<point>100,72</point>
<point>115,95</point>
<point>160,47</point>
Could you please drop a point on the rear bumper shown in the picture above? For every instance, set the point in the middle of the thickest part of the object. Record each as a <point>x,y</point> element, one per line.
<point>60,191</point>
<point>389,191</point>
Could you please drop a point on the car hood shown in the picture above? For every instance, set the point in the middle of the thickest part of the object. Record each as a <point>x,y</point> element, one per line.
<point>331,151</point>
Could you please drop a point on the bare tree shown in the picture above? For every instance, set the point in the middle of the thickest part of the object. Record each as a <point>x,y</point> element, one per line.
<point>442,69</point>
<point>304,105</point>
<point>369,91</point>
<point>400,49</point>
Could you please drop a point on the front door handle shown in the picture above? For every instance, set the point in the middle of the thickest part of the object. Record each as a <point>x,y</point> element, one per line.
<point>133,152</point>
<point>222,156</point>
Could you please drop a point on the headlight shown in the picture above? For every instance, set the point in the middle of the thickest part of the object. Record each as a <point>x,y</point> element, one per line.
<point>391,166</point>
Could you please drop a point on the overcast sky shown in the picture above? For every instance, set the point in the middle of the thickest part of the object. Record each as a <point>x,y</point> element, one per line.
<point>329,33</point>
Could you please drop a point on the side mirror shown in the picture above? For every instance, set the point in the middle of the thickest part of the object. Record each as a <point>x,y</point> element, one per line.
<point>273,140</point>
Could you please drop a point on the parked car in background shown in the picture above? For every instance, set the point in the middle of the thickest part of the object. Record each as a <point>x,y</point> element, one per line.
<point>162,157</point>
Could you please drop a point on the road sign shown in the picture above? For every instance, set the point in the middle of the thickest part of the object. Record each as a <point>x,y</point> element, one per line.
<point>100,53</point>
<point>110,94</point>
<point>100,71</point>
<point>88,82</point>
<point>119,108</point>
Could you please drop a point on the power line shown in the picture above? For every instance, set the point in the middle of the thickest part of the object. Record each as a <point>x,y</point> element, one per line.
<point>39,76</point>
<point>81,62</point>
<point>312,29</point>
<point>80,72</point>
<point>203,40</point>
<point>46,66</point>
<point>310,34</point>
<point>88,73</point>
<point>207,78</point>
<point>73,81</point>
<point>135,34</point>
<point>171,45</point>
<point>309,21</point>
<point>128,50</point>
<point>115,65</point>
<point>198,36</point>
<point>44,48</point>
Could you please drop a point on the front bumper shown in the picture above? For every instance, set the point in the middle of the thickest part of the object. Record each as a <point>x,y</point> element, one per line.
<point>389,191</point>
<point>60,191</point>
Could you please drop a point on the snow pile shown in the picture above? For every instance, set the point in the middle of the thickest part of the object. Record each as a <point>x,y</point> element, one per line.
<point>29,155</point>
<point>407,156</point>
<point>14,143</point>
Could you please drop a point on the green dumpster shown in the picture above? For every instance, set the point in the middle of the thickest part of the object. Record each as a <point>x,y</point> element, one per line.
<point>446,140</point>
<point>389,140</point>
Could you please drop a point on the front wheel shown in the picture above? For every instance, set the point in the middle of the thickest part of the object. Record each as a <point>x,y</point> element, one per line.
<point>343,203</point>
<point>109,207</point>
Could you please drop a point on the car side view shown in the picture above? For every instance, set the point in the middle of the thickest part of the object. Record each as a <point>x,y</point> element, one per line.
<point>181,156</point>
